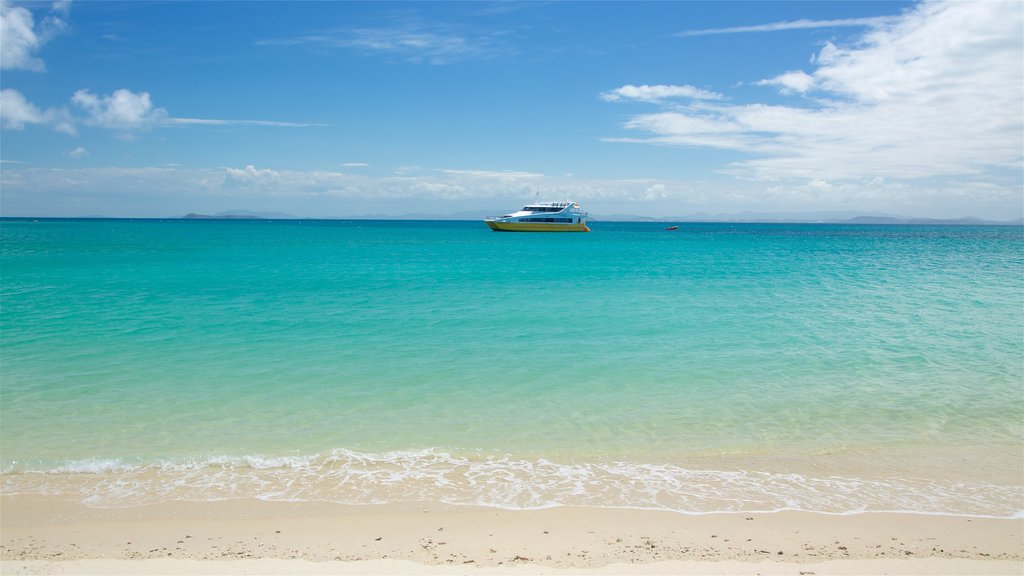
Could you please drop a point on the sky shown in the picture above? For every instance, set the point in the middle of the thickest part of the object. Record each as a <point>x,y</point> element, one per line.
<point>334,109</point>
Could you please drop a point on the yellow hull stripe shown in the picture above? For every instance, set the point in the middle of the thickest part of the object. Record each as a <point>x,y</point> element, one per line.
<point>536,227</point>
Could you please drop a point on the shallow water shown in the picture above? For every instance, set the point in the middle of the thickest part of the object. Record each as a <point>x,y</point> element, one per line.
<point>146,347</point>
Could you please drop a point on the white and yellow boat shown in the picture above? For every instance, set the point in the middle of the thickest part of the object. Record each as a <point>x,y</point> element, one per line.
<point>542,217</point>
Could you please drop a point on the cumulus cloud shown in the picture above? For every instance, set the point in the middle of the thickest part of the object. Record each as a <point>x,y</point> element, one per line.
<point>936,91</point>
<point>250,175</point>
<point>795,81</point>
<point>122,110</point>
<point>657,93</point>
<point>79,152</point>
<point>21,37</point>
<point>16,112</point>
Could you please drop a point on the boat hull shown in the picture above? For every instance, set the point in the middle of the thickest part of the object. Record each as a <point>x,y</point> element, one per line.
<point>536,226</point>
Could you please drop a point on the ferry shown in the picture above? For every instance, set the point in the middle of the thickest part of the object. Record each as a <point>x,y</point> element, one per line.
<point>542,217</point>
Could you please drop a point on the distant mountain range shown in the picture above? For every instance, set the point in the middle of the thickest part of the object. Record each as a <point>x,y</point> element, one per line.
<point>808,217</point>
<point>827,217</point>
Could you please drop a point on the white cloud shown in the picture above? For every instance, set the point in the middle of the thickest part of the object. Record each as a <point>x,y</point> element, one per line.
<point>795,81</point>
<point>415,44</point>
<point>937,91</point>
<point>498,175</point>
<point>16,112</point>
<point>251,176</point>
<point>79,152</point>
<point>18,39</point>
<point>657,93</point>
<point>61,7</point>
<point>214,122</point>
<point>122,110</point>
<point>169,190</point>
<point>412,41</point>
<point>21,38</point>
<point>791,25</point>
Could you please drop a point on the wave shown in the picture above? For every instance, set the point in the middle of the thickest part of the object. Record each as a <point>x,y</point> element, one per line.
<point>350,477</point>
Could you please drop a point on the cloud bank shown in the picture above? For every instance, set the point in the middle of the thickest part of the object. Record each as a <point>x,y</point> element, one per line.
<point>166,191</point>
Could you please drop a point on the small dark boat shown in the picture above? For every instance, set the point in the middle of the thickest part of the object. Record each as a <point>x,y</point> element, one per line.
<point>672,228</point>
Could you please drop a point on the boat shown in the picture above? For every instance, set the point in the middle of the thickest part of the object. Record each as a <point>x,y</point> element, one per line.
<point>542,217</point>
<point>671,228</point>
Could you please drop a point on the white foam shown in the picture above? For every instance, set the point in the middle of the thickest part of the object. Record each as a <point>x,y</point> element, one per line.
<point>85,466</point>
<point>352,477</point>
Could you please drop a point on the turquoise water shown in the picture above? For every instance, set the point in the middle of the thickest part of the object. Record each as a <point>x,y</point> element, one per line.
<point>375,361</point>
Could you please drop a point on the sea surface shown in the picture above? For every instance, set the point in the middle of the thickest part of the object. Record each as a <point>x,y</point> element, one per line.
<point>406,361</point>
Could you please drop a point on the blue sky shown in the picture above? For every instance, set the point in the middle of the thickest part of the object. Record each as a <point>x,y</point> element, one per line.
<point>341,108</point>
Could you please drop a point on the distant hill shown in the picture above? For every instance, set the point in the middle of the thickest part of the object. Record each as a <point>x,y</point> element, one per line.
<point>194,216</point>
<point>810,218</point>
<point>241,215</point>
<point>894,220</point>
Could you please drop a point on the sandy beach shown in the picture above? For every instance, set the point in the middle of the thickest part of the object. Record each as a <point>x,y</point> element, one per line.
<point>49,536</point>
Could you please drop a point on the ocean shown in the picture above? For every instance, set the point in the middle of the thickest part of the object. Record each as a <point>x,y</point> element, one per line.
<point>716,368</point>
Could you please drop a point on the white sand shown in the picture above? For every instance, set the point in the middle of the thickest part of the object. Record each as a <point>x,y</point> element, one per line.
<point>270,567</point>
<point>48,536</point>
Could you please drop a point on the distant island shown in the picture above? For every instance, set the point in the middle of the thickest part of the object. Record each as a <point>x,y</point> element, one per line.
<point>811,218</point>
<point>240,215</point>
<point>194,216</point>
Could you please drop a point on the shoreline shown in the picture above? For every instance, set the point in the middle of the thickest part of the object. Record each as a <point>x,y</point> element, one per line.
<point>50,535</point>
<point>969,482</point>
